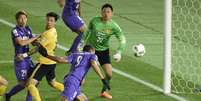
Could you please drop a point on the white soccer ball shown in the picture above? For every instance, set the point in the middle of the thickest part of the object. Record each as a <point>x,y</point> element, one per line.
<point>139,50</point>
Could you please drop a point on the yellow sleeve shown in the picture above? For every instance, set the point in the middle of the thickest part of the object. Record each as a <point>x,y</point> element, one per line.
<point>44,39</point>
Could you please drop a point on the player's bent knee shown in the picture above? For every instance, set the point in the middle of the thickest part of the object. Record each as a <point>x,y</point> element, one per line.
<point>83,28</point>
<point>63,99</point>
<point>3,81</point>
<point>81,97</point>
<point>32,81</point>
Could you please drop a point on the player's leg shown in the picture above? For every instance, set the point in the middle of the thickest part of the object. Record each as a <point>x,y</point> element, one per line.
<point>21,70</point>
<point>56,85</point>
<point>77,40</point>
<point>71,89</point>
<point>76,24</point>
<point>108,72</point>
<point>35,78</point>
<point>63,99</point>
<point>81,97</point>
<point>33,89</point>
<point>50,76</point>
<point>30,71</point>
<point>104,60</point>
<point>3,85</point>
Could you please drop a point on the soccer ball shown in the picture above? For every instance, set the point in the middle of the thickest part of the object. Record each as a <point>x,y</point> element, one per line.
<point>139,50</point>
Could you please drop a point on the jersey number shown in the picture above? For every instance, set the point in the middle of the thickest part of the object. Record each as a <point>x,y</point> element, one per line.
<point>99,38</point>
<point>79,59</point>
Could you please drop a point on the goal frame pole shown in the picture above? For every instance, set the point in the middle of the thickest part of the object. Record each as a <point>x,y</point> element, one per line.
<point>167,47</point>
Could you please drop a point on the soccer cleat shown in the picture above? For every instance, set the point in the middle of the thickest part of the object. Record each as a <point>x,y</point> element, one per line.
<point>106,95</point>
<point>6,98</point>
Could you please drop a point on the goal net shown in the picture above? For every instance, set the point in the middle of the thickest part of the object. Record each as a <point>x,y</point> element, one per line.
<point>186,46</point>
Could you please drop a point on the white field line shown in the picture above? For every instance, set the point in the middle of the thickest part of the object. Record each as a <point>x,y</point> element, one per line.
<point>5,62</point>
<point>134,78</point>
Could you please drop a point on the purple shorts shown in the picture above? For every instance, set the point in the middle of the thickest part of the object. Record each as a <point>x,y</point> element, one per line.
<point>23,69</point>
<point>71,88</point>
<point>74,22</point>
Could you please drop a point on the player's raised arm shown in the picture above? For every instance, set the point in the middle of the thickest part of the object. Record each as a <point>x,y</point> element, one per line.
<point>44,53</point>
<point>22,42</point>
<point>58,59</point>
<point>97,69</point>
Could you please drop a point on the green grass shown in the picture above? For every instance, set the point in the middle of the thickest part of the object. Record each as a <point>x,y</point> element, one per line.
<point>141,21</point>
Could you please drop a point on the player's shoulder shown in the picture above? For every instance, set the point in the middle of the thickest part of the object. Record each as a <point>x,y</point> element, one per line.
<point>28,28</point>
<point>14,29</point>
<point>50,33</point>
<point>114,23</point>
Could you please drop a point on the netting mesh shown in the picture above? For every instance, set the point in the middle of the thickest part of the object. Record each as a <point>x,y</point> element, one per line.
<point>186,46</point>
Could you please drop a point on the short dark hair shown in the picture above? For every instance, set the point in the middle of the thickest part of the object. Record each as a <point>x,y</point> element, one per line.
<point>107,5</point>
<point>22,12</point>
<point>53,14</point>
<point>87,48</point>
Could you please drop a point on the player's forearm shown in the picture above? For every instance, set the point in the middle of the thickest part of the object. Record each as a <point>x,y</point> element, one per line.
<point>122,41</point>
<point>57,59</point>
<point>26,42</point>
<point>97,70</point>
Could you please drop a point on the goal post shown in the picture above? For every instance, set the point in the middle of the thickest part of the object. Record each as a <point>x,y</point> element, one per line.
<point>167,48</point>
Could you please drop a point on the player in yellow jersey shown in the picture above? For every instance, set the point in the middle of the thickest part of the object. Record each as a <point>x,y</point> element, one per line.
<point>3,86</point>
<point>46,67</point>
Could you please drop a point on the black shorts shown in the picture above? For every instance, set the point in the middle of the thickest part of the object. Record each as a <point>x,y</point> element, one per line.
<point>45,70</point>
<point>103,57</point>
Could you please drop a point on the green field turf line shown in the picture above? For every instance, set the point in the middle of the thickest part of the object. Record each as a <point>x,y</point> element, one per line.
<point>136,79</point>
<point>7,61</point>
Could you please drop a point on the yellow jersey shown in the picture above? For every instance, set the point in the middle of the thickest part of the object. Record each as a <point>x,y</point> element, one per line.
<point>49,40</point>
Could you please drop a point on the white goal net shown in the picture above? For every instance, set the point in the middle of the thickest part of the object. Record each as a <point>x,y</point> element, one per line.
<point>186,46</point>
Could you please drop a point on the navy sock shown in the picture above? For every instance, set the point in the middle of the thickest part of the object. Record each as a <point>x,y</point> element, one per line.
<point>15,90</point>
<point>76,42</point>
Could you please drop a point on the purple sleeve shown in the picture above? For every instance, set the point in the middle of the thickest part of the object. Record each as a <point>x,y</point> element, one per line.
<point>15,34</point>
<point>93,57</point>
<point>70,59</point>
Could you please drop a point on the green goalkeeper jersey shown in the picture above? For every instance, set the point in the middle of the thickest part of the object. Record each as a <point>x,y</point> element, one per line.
<point>99,33</point>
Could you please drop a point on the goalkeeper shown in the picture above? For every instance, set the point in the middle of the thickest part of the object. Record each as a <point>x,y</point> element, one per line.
<point>99,32</point>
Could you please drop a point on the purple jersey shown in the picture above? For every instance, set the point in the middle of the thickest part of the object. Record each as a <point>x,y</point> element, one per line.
<point>24,33</point>
<point>81,63</point>
<point>71,7</point>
